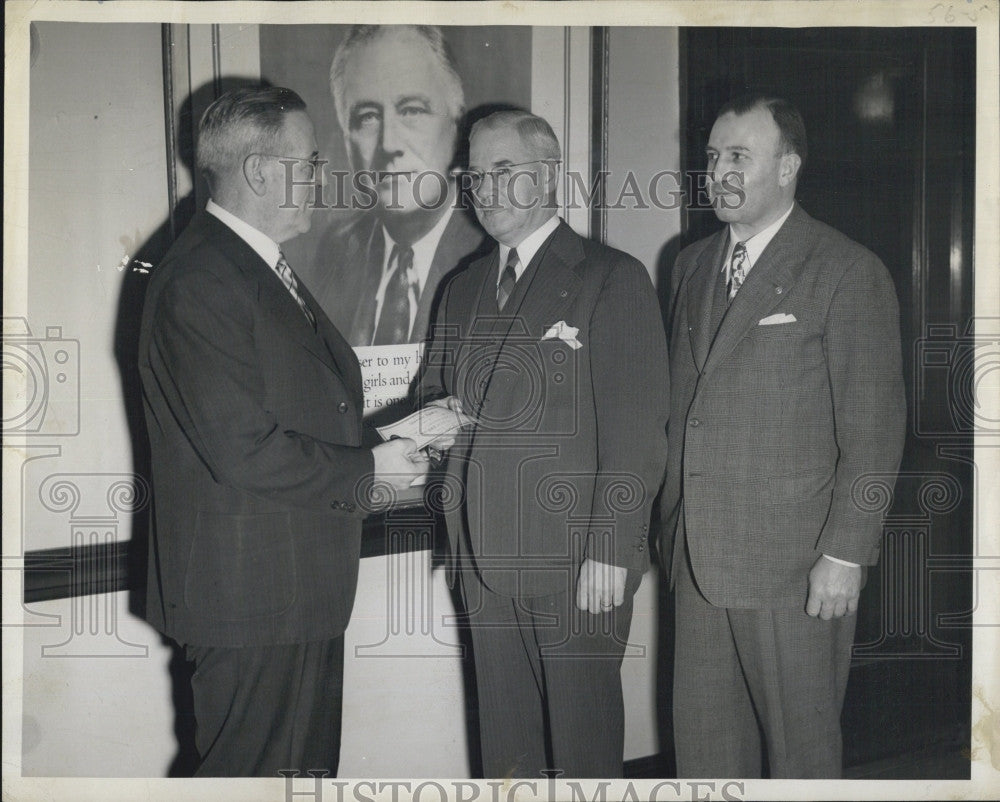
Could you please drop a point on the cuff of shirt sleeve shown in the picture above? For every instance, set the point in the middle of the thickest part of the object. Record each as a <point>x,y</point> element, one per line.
<point>842,562</point>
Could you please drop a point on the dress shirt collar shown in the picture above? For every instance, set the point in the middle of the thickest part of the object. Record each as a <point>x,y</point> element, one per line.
<point>265,247</point>
<point>528,247</point>
<point>758,242</point>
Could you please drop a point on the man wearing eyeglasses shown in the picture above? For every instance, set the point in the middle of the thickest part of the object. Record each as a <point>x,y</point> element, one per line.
<point>554,346</point>
<point>253,406</point>
<point>399,99</point>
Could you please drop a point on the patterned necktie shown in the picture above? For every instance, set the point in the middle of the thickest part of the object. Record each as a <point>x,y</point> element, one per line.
<point>507,281</point>
<point>287,276</point>
<point>737,269</point>
<point>394,321</point>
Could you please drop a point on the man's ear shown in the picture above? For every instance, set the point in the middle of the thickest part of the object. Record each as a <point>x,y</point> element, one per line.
<point>790,164</point>
<point>253,174</point>
<point>551,175</point>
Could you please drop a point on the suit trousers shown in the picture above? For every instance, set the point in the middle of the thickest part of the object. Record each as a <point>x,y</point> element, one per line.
<point>259,710</point>
<point>548,681</point>
<point>739,672</point>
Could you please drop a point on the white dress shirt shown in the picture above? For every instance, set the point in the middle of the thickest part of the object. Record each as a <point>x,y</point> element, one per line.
<point>527,248</point>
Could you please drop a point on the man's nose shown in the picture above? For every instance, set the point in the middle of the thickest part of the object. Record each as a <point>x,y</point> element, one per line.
<point>484,193</point>
<point>714,171</point>
<point>393,137</point>
<point>718,172</point>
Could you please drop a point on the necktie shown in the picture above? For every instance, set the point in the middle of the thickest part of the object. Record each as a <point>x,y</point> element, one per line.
<point>394,321</point>
<point>287,276</point>
<point>507,280</point>
<point>737,269</point>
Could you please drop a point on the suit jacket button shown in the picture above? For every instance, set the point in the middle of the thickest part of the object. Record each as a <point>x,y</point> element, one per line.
<point>694,422</point>
<point>350,507</point>
<point>640,547</point>
<point>342,407</point>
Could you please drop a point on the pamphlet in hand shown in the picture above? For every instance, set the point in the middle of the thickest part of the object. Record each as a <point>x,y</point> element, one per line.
<point>426,425</point>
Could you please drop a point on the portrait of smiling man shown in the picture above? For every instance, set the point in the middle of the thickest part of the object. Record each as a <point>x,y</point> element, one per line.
<point>399,99</point>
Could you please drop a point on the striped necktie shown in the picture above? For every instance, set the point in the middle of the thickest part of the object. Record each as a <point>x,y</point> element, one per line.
<point>287,276</point>
<point>394,320</point>
<point>736,271</point>
<point>507,281</point>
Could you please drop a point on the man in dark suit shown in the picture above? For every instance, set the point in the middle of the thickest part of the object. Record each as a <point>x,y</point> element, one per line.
<point>253,402</point>
<point>786,392</point>
<point>399,99</point>
<point>554,345</point>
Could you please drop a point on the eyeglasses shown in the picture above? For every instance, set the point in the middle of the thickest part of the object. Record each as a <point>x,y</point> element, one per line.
<point>500,175</point>
<point>313,162</point>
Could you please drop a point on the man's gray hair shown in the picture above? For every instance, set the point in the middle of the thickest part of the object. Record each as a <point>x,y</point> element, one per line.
<point>535,132</point>
<point>242,122</point>
<point>437,45</point>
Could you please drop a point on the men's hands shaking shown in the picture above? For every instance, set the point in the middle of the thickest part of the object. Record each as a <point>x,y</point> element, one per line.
<point>398,463</point>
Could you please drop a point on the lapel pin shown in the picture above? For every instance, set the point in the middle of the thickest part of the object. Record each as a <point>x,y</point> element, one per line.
<point>563,294</point>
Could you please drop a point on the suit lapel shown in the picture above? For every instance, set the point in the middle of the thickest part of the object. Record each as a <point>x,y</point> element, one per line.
<point>765,287</point>
<point>276,300</point>
<point>550,287</point>
<point>468,291</point>
<point>368,250</point>
<point>459,240</point>
<point>337,354</point>
<point>700,297</point>
<point>551,284</point>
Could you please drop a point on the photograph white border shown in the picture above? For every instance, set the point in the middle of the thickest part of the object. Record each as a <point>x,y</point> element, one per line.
<point>981,14</point>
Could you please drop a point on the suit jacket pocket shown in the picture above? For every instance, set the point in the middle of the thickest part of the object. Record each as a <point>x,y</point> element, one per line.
<point>806,483</point>
<point>240,566</point>
<point>799,505</point>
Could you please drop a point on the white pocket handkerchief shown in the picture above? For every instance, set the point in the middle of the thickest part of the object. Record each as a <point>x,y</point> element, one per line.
<point>563,332</point>
<point>777,320</point>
